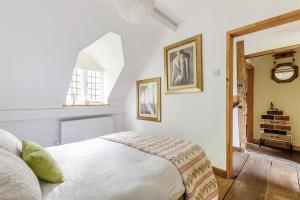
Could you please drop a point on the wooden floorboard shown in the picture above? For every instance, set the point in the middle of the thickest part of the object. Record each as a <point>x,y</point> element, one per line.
<point>239,160</point>
<point>282,154</point>
<point>223,184</point>
<point>252,181</point>
<point>267,174</point>
<point>283,182</point>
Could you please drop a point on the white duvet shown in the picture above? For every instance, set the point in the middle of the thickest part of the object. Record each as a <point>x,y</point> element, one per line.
<point>101,170</point>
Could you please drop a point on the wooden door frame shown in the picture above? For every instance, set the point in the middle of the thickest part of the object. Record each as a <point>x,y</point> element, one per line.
<point>250,100</point>
<point>272,51</point>
<point>241,78</point>
<point>255,27</point>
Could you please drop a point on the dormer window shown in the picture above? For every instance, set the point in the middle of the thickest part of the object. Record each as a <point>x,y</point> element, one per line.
<point>75,92</point>
<point>97,69</point>
<point>95,86</point>
<point>87,84</point>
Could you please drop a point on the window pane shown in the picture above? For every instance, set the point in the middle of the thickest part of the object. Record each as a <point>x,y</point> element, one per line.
<point>94,88</point>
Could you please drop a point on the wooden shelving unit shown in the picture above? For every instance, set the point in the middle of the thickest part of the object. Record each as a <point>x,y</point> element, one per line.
<point>275,126</point>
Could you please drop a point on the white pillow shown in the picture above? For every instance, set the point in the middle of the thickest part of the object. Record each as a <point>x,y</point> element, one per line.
<point>17,181</point>
<point>10,143</point>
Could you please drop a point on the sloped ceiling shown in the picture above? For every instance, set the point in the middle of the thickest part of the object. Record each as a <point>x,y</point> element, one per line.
<point>85,60</point>
<point>41,41</point>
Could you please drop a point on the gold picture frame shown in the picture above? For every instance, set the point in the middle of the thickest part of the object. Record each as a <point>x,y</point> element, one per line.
<point>183,66</point>
<point>148,99</point>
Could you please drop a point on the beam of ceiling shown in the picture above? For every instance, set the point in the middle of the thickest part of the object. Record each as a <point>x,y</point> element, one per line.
<point>272,51</point>
<point>161,17</point>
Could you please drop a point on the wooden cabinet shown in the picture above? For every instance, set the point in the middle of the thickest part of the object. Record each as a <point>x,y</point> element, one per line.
<point>275,126</point>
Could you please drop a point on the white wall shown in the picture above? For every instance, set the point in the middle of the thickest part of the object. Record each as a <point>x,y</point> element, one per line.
<point>43,125</point>
<point>46,132</point>
<point>201,117</point>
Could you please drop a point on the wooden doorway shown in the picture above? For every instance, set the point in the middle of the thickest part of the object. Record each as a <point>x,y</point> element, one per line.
<point>244,95</point>
<point>241,93</point>
<point>250,102</point>
<point>262,25</point>
<point>249,80</point>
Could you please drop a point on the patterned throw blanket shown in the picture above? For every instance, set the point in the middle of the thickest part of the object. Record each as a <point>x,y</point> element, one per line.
<point>190,160</point>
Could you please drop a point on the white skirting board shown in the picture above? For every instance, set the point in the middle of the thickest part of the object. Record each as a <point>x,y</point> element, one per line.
<point>84,129</point>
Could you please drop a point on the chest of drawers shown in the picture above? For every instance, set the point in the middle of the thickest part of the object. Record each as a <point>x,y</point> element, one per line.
<point>275,126</point>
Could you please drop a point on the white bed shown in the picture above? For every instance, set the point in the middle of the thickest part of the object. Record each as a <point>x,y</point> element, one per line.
<point>101,170</point>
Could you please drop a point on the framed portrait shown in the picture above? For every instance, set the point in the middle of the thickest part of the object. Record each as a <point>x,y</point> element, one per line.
<point>183,66</point>
<point>149,99</point>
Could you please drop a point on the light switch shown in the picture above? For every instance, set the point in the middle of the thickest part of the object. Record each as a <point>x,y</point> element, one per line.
<point>216,72</point>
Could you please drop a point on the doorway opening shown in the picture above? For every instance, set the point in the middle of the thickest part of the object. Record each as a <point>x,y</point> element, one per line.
<point>257,118</point>
<point>266,114</point>
<point>231,35</point>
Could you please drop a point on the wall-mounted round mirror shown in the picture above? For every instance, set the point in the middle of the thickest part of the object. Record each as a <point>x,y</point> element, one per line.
<point>284,72</point>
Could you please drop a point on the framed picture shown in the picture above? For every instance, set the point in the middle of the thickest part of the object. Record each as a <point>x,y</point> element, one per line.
<point>183,66</point>
<point>149,99</point>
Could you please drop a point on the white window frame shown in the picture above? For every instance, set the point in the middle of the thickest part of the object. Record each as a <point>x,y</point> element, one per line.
<point>85,82</point>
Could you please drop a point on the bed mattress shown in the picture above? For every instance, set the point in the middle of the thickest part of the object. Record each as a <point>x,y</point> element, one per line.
<point>98,169</point>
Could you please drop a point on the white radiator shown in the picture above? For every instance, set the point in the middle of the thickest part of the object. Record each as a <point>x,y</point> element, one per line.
<point>84,129</point>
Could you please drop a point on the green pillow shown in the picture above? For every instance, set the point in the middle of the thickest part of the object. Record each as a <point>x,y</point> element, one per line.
<point>41,162</point>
